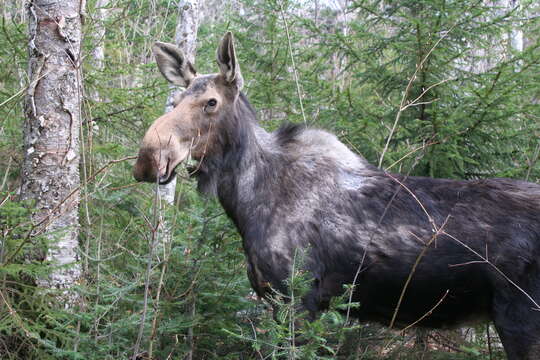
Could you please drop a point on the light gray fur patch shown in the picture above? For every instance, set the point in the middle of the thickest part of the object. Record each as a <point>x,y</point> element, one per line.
<point>322,143</point>
<point>350,181</point>
<point>246,184</point>
<point>280,244</point>
<point>335,225</point>
<point>313,151</point>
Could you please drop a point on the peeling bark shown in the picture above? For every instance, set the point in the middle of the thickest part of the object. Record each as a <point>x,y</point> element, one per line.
<point>51,132</point>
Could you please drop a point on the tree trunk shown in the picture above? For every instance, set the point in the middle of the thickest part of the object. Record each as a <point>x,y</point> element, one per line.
<point>186,36</point>
<point>50,174</point>
<point>98,52</point>
<point>186,40</point>
<point>97,57</point>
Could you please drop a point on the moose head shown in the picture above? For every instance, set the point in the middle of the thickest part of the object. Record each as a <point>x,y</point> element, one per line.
<point>190,129</point>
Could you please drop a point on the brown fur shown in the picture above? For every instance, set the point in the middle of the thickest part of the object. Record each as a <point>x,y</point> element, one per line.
<point>188,130</point>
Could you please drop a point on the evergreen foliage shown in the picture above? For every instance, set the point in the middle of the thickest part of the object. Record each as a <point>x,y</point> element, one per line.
<point>462,101</point>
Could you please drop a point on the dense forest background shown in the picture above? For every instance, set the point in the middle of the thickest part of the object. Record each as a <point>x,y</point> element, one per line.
<point>437,88</point>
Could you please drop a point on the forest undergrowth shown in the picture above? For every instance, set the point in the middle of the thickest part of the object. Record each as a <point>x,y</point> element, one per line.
<point>430,88</point>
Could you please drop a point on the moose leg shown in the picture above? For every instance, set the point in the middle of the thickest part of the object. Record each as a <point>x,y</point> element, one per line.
<point>518,325</point>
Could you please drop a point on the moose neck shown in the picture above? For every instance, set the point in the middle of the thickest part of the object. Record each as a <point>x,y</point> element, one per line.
<point>245,163</point>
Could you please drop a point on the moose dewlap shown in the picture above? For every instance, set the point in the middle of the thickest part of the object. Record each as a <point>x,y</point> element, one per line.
<point>301,191</point>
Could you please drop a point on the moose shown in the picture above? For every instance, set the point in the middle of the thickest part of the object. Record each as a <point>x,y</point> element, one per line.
<point>416,250</point>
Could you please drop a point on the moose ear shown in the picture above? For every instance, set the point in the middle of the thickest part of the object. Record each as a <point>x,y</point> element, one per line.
<point>173,65</point>
<point>226,59</point>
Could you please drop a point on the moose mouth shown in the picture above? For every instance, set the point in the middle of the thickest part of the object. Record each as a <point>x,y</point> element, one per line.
<point>193,169</point>
<point>164,180</point>
<point>160,166</point>
<point>170,172</point>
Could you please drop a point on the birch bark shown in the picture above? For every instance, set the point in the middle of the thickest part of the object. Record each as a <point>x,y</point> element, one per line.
<point>50,173</point>
<point>186,36</point>
<point>186,39</point>
<point>98,53</point>
<point>97,58</point>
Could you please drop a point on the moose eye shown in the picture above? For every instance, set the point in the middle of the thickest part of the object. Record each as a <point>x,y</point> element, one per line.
<point>210,105</point>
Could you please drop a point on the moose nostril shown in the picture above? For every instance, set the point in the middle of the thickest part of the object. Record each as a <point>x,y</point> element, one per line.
<point>145,168</point>
<point>141,173</point>
<point>137,174</point>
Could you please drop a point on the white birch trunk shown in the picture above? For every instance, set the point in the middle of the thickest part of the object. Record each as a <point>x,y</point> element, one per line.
<point>50,173</point>
<point>186,40</point>
<point>97,58</point>
<point>98,52</point>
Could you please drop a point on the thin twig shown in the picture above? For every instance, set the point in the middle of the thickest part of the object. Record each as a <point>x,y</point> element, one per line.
<point>427,313</point>
<point>533,161</point>
<point>292,314</point>
<point>411,273</point>
<point>430,219</point>
<point>415,101</point>
<point>410,153</point>
<point>402,105</point>
<point>490,351</point>
<point>4,180</point>
<point>298,92</point>
<point>536,306</point>
<point>17,318</point>
<point>51,217</point>
<point>152,244</point>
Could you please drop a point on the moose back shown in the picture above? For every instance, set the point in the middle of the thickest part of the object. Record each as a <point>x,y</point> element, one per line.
<point>435,250</point>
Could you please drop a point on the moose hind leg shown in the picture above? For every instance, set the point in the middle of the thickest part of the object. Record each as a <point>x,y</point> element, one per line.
<point>518,323</point>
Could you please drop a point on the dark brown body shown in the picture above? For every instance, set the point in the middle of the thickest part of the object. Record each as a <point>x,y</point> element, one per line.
<point>301,192</point>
